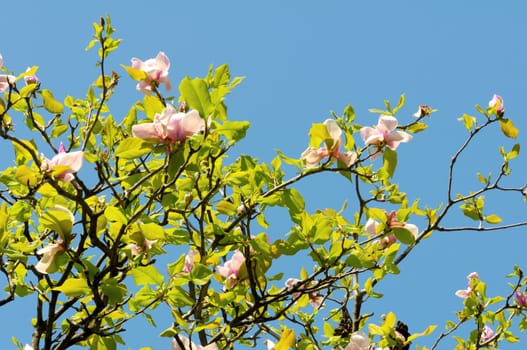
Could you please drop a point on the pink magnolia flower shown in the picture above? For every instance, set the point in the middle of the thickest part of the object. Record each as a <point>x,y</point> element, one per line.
<point>384,134</point>
<point>188,345</point>
<point>358,341</point>
<point>30,79</point>
<point>144,247</point>
<point>45,265</point>
<point>170,126</point>
<point>314,299</point>
<point>68,163</point>
<point>465,293</point>
<point>371,228</point>
<point>486,334</point>
<point>312,155</point>
<point>5,80</point>
<point>156,70</point>
<point>189,260</point>
<point>497,103</point>
<point>231,269</point>
<point>423,111</point>
<point>520,298</point>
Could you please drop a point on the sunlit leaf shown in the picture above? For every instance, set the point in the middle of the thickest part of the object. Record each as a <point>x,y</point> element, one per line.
<point>508,129</point>
<point>50,104</point>
<point>74,287</point>
<point>132,147</point>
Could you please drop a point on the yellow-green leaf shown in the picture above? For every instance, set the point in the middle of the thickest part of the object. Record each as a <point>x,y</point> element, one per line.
<point>74,287</point>
<point>50,104</point>
<point>287,340</point>
<point>508,129</point>
<point>132,148</point>
<point>135,74</point>
<point>25,176</point>
<point>493,219</point>
<point>58,219</point>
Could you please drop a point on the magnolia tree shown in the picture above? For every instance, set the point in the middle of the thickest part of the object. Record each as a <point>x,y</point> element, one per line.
<point>93,201</point>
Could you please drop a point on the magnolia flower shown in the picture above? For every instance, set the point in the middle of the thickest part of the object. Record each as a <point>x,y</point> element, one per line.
<point>497,103</point>
<point>486,334</point>
<point>45,265</point>
<point>520,298</point>
<point>465,293</point>
<point>5,80</point>
<point>314,299</point>
<point>391,222</point>
<point>67,164</point>
<point>312,155</point>
<point>156,70</point>
<point>30,79</point>
<point>423,111</point>
<point>145,246</point>
<point>188,345</point>
<point>358,341</point>
<point>270,344</point>
<point>170,126</point>
<point>189,260</point>
<point>384,134</point>
<point>231,269</point>
<point>28,347</point>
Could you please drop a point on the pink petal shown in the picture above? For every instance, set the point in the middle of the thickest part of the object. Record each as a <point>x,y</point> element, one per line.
<point>162,61</point>
<point>145,131</point>
<point>71,159</point>
<point>313,156</point>
<point>334,131</point>
<point>371,227</point>
<point>387,122</point>
<point>192,123</point>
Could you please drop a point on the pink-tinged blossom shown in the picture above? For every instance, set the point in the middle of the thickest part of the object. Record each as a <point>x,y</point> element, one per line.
<point>69,162</point>
<point>486,334</point>
<point>5,80</point>
<point>30,79</point>
<point>49,252</point>
<point>231,269</point>
<point>422,111</point>
<point>188,345</point>
<point>358,341</point>
<point>189,260</point>
<point>144,247</point>
<point>391,222</point>
<point>270,344</point>
<point>384,134</point>
<point>170,126</point>
<point>465,293</point>
<point>312,155</point>
<point>497,103</point>
<point>520,298</point>
<point>156,70</point>
<point>314,299</point>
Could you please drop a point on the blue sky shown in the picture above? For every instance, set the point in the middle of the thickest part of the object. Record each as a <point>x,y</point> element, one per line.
<point>302,59</point>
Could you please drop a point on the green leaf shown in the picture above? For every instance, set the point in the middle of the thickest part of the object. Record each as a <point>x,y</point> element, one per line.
<point>468,120</point>
<point>196,94</point>
<point>58,219</point>
<point>147,275</point>
<point>116,214</point>
<point>287,340</point>
<point>226,207</point>
<point>135,74</point>
<point>414,128</point>
<point>508,129</point>
<point>132,147</point>
<point>233,130</point>
<point>492,219</point>
<point>390,161</point>
<point>200,274</point>
<point>50,104</point>
<point>25,176</point>
<point>404,235</point>
<point>74,287</point>
<point>318,134</point>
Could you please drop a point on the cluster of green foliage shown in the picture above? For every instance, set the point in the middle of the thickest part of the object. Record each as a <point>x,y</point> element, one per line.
<point>99,235</point>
